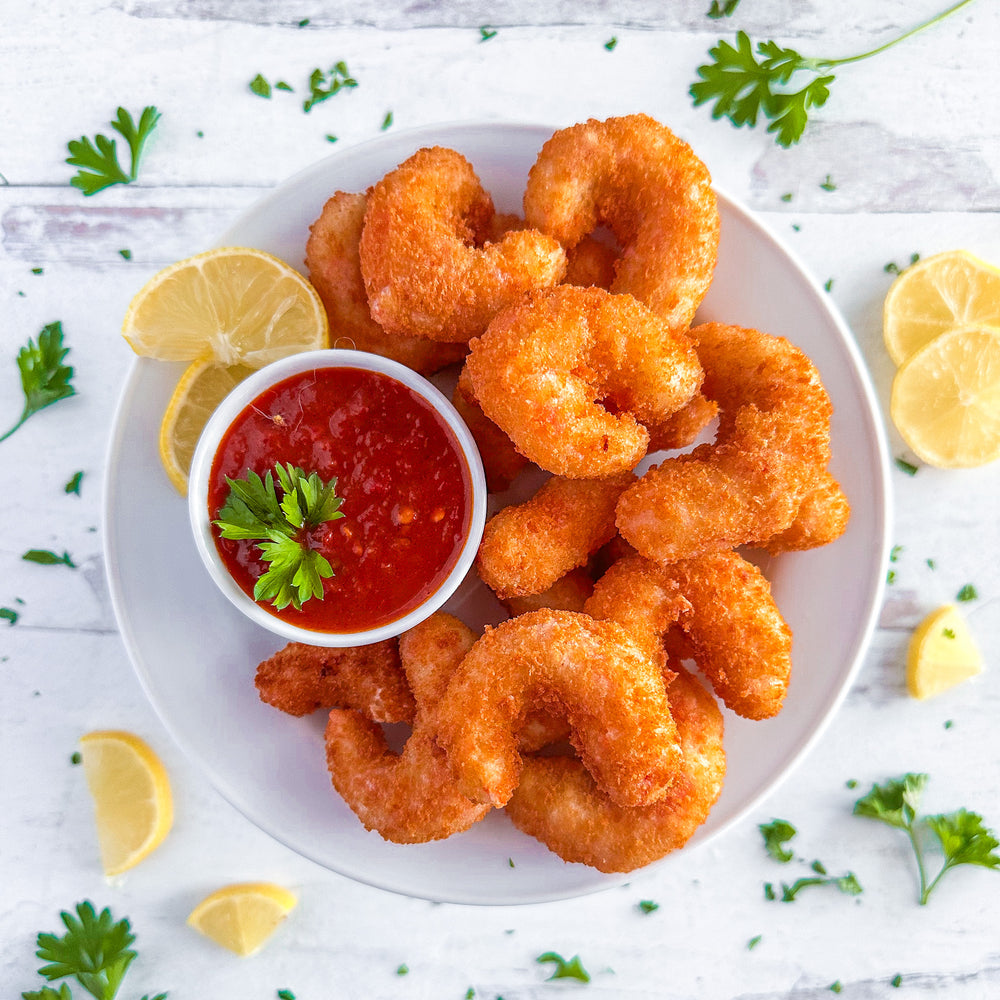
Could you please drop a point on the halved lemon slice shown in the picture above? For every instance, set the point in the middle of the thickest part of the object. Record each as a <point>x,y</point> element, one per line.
<point>946,398</point>
<point>202,387</point>
<point>132,800</point>
<point>241,917</point>
<point>950,289</point>
<point>942,654</point>
<point>235,305</point>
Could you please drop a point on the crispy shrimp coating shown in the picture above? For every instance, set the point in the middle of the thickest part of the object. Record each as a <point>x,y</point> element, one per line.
<point>558,802</point>
<point>410,797</point>
<point>334,267</point>
<point>636,177</point>
<point>298,679</point>
<point>590,263</point>
<point>821,518</point>
<point>427,270</point>
<point>546,367</point>
<point>589,672</point>
<point>501,460</point>
<point>527,547</point>
<point>771,448</point>
<point>732,627</point>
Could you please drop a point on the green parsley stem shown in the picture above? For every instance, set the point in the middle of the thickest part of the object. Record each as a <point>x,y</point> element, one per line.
<point>925,889</point>
<point>821,64</point>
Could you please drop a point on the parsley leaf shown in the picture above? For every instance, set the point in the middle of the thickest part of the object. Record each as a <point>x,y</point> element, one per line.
<point>565,969</point>
<point>46,558</point>
<point>961,835</point>
<point>254,512</point>
<point>95,949</point>
<point>98,159</point>
<point>745,82</point>
<point>259,86</point>
<point>44,377</point>
<point>845,883</point>
<point>324,85</point>
<point>73,486</point>
<point>776,834</point>
<point>723,9</point>
<point>967,593</point>
<point>648,906</point>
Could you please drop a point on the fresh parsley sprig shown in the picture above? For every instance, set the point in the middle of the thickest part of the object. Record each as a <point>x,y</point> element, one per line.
<point>962,837</point>
<point>323,86</point>
<point>96,950</point>
<point>98,158</point>
<point>745,82</point>
<point>253,511</point>
<point>44,377</point>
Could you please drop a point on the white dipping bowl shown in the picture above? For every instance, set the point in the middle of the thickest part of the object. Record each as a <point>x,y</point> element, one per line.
<point>234,404</point>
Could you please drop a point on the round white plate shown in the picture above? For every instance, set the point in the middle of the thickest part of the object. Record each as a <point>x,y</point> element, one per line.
<point>196,655</point>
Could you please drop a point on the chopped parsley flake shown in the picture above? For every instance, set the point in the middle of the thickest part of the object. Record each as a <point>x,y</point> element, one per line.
<point>73,486</point>
<point>387,121</point>
<point>722,9</point>
<point>486,33</point>
<point>787,196</point>
<point>896,981</point>
<point>890,577</point>
<point>776,834</point>
<point>648,906</point>
<point>76,757</point>
<point>259,86</point>
<point>828,286</point>
<point>402,970</point>
<point>46,558</point>
<point>908,467</point>
<point>565,969</point>
<point>851,783</point>
<point>611,43</point>
<point>949,633</point>
<point>967,593</point>
<point>126,254</point>
<point>828,184</point>
<point>754,941</point>
<point>835,987</point>
<point>894,554</point>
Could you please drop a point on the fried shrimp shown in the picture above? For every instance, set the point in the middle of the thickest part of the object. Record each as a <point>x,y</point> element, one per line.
<point>527,547</point>
<point>771,449</point>
<point>821,518</point>
<point>410,797</point>
<point>427,270</point>
<point>334,267</point>
<point>589,672</point>
<point>568,593</point>
<point>636,177</point>
<point>732,626</point>
<point>546,366</point>
<point>298,679</point>
<point>558,802</point>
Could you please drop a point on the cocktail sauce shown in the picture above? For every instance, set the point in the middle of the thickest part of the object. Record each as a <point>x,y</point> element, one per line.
<point>405,484</point>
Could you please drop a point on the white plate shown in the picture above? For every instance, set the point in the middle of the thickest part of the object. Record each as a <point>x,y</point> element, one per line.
<point>196,655</point>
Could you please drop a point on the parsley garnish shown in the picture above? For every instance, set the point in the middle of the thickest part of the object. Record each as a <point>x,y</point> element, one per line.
<point>845,883</point>
<point>98,160</point>
<point>648,906</point>
<point>486,33</point>
<point>571,969</point>
<point>896,981</point>
<point>828,285</point>
<point>402,970</point>
<point>724,9</point>
<point>961,835</point>
<point>387,121</point>
<point>611,43</point>
<point>967,593</point>
<point>286,995</point>
<point>46,558</point>
<point>324,85</point>
<point>96,950</point>
<point>828,184</point>
<point>894,554</point>
<point>754,941</point>
<point>76,757</point>
<point>73,486</point>
<point>9,615</point>
<point>908,467</point>
<point>744,82</point>
<point>893,268</point>
<point>253,511</point>
<point>44,377</point>
<point>776,834</point>
<point>835,987</point>
<point>259,86</point>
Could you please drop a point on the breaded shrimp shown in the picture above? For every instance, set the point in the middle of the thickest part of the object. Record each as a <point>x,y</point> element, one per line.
<point>409,797</point>
<point>546,366</point>
<point>636,177</point>
<point>334,267</point>
<point>426,269</point>
<point>298,679</point>
<point>771,449</point>
<point>527,547</point>
<point>589,672</point>
<point>558,802</point>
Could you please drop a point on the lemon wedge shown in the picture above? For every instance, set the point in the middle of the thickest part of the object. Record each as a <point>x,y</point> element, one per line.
<point>200,390</point>
<point>132,800</point>
<point>942,653</point>
<point>945,399</point>
<point>241,917</point>
<point>235,305</point>
<point>950,289</point>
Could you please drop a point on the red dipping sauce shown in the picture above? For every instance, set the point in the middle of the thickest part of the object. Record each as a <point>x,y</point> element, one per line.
<point>405,484</point>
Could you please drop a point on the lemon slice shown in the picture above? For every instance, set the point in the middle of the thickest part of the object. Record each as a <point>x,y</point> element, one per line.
<point>241,917</point>
<point>950,289</point>
<point>202,387</point>
<point>132,800</point>
<point>942,654</point>
<point>946,399</point>
<point>233,304</point>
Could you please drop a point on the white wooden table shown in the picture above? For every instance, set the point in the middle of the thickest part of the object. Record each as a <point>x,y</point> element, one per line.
<point>911,141</point>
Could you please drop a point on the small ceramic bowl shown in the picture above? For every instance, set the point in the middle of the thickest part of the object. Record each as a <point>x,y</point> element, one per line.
<point>216,430</point>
